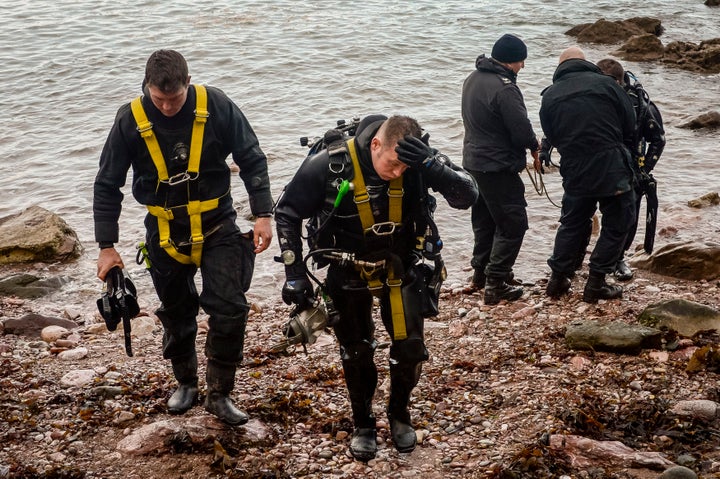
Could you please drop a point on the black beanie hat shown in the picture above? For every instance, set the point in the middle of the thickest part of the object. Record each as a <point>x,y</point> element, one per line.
<point>509,49</point>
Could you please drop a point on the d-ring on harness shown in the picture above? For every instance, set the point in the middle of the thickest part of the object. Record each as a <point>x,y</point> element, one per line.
<point>193,209</point>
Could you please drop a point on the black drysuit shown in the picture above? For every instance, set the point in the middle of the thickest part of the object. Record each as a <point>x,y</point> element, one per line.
<point>227,255</point>
<point>312,192</point>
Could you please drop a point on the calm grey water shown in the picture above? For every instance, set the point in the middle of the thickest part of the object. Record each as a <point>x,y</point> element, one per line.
<point>295,67</point>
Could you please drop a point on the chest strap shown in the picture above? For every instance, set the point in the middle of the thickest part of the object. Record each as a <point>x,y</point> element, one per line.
<point>394,277</point>
<point>194,208</point>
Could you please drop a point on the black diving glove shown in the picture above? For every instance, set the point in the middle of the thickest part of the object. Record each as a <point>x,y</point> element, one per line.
<point>544,157</point>
<point>298,291</point>
<point>545,152</point>
<point>415,152</point>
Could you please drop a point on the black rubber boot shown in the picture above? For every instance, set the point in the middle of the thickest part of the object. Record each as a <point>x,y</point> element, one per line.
<point>558,285</point>
<point>596,288</point>
<point>361,380</point>
<point>220,382</point>
<point>403,379</point>
<point>623,271</point>
<point>497,289</point>
<point>185,396</point>
<point>363,445</point>
<point>478,279</point>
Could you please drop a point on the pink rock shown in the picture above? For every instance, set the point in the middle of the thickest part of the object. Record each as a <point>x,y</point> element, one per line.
<point>580,363</point>
<point>584,453</point>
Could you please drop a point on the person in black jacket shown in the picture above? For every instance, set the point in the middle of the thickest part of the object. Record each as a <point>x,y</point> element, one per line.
<point>497,135</point>
<point>385,222</point>
<point>176,138</point>
<point>589,118</point>
<point>649,145</point>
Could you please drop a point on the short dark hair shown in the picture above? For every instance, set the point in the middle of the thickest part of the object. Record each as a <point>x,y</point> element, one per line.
<point>166,70</point>
<point>397,126</point>
<point>613,68</point>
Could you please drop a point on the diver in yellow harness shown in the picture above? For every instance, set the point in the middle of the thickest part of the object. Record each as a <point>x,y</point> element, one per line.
<point>176,138</point>
<point>386,220</point>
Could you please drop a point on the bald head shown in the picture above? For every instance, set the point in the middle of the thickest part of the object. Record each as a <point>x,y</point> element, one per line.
<point>573,52</point>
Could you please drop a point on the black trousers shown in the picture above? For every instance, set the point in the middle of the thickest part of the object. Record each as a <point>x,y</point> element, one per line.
<point>618,215</point>
<point>226,269</point>
<point>499,222</point>
<point>633,228</point>
<point>354,304</point>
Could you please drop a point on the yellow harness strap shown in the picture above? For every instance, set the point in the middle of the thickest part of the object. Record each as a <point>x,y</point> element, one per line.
<point>144,127</point>
<point>195,208</point>
<point>362,200</point>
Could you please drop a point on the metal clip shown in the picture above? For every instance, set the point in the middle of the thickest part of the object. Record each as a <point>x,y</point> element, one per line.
<point>180,178</point>
<point>382,229</point>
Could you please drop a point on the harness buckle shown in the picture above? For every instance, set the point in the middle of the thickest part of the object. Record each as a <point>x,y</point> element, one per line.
<point>362,198</point>
<point>145,129</point>
<point>200,238</point>
<point>369,270</point>
<point>201,115</point>
<point>385,228</point>
<point>395,192</point>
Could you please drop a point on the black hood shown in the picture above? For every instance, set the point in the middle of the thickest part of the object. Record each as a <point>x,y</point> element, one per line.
<point>485,64</point>
<point>365,133</point>
<point>574,65</point>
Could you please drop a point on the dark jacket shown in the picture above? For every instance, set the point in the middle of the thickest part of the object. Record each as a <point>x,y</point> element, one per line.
<point>311,193</point>
<point>227,131</point>
<point>590,120</point>
<point>497,128</point>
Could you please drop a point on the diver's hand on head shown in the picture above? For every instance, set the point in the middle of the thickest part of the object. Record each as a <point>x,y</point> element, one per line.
<point>415,152</point>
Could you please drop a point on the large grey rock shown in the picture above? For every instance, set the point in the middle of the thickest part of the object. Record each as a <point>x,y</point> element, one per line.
<point>26,285</point>
<point>36,234</point>
<point>685,317</point>
<point>31,325</point>
<point>702,409</point>
<point>678,472</point>
<point>616,336</point>
<point>691,260</point>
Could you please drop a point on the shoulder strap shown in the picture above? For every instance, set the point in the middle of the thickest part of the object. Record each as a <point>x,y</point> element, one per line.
<point>198,131</point>
<point>145,128</point>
